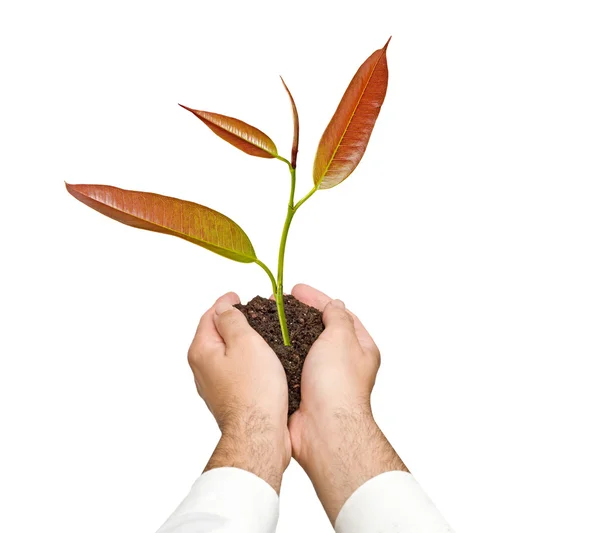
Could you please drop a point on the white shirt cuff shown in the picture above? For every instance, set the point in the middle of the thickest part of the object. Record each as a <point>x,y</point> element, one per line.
<point>226,500</point>
<point>390,502</point>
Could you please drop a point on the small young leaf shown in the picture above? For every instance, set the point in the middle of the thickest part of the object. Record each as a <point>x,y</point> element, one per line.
<point>241,135</point>
<point>346,137</point>
<point>164,214</point>
<point>296,126</point>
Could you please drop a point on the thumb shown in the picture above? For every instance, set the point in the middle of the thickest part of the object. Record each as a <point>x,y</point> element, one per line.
<point>337,318</point>
<point>230,322</point>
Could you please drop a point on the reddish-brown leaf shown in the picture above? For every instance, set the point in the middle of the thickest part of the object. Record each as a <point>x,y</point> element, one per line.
<point>296,126</point>
<point>241,135</point>
<point>164,214</point>
<point>346,137</point>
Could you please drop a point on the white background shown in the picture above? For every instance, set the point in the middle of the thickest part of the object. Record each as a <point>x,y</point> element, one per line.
<point>467,241</point>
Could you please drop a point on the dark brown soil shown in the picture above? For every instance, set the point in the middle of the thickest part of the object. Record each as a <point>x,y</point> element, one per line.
<point>305,324</point>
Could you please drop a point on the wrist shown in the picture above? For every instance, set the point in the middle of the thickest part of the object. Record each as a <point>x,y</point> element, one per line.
<point>325,434</point>
<point>342,453</point>
<point>255,444</point>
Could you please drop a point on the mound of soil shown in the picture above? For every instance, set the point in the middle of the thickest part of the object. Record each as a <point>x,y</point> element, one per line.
<point>305,324</point>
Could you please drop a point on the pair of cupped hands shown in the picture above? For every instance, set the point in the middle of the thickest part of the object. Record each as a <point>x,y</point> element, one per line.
<point>332,435</point>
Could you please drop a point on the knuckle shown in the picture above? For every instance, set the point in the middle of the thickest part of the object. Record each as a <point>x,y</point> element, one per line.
<point>237,328</point>
<point>192,356</point>
<point>346,317</point>
<point>199,349</point>
<point>374,359</point>
<point>232,318</point>
<point>376,354</point>
<point>342,319</point>
<point>378,362</point>
<point>196,350</point>
<point>228,316</point>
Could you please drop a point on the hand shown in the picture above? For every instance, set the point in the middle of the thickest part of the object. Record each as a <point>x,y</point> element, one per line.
<point>333,433</point>
<point>244,386</point>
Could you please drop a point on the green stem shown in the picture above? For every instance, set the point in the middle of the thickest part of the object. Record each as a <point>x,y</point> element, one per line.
<point>278,285</point>
<point>285,161</point>
<point>269,273</point>
<point>300,202</point>
<point>280,261</point>
<point>280,312</point>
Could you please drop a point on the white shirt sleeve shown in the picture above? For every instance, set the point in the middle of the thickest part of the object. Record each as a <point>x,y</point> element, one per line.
<point>226,500</point>
<point>392,502</point>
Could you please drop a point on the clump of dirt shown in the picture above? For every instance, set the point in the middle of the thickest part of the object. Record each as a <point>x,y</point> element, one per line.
<point>305,324</point>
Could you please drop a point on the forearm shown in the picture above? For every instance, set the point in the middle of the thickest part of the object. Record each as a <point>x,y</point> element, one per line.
<point>339,466</point>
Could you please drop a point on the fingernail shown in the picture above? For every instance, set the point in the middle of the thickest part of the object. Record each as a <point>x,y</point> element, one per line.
<point>338,304</point>
<point>221,307</point>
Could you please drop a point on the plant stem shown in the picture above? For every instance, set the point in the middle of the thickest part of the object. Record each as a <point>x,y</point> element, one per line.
<point>285,161</point>
<point>269,273</point>
<point>278,285</point>
<point>280,261</point>
<point>300,202</point>
<point>280,311</point>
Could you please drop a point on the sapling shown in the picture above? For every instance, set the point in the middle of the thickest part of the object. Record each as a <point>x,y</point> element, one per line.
<point>339,151</point>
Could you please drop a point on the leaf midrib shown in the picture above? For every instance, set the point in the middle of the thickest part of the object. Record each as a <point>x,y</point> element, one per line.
<point>351,118</point>
<point>239,136</point>
<point>183,235</point>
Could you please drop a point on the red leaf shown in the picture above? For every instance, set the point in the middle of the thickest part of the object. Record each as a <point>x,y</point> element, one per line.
<point>241,135</point>
<point>296,126</point>
<point>346,137</point>
<point>164,214</point>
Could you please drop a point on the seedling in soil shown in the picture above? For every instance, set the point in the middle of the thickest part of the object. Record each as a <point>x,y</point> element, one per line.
<point>340,149</point>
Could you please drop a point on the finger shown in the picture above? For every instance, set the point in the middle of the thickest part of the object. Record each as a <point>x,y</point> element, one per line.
<point>310,296</point>
<point>364,337</point>
<point>315,298</point>
<point>336,317</point>
<point>230,322</point>
<point>207,335</point>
